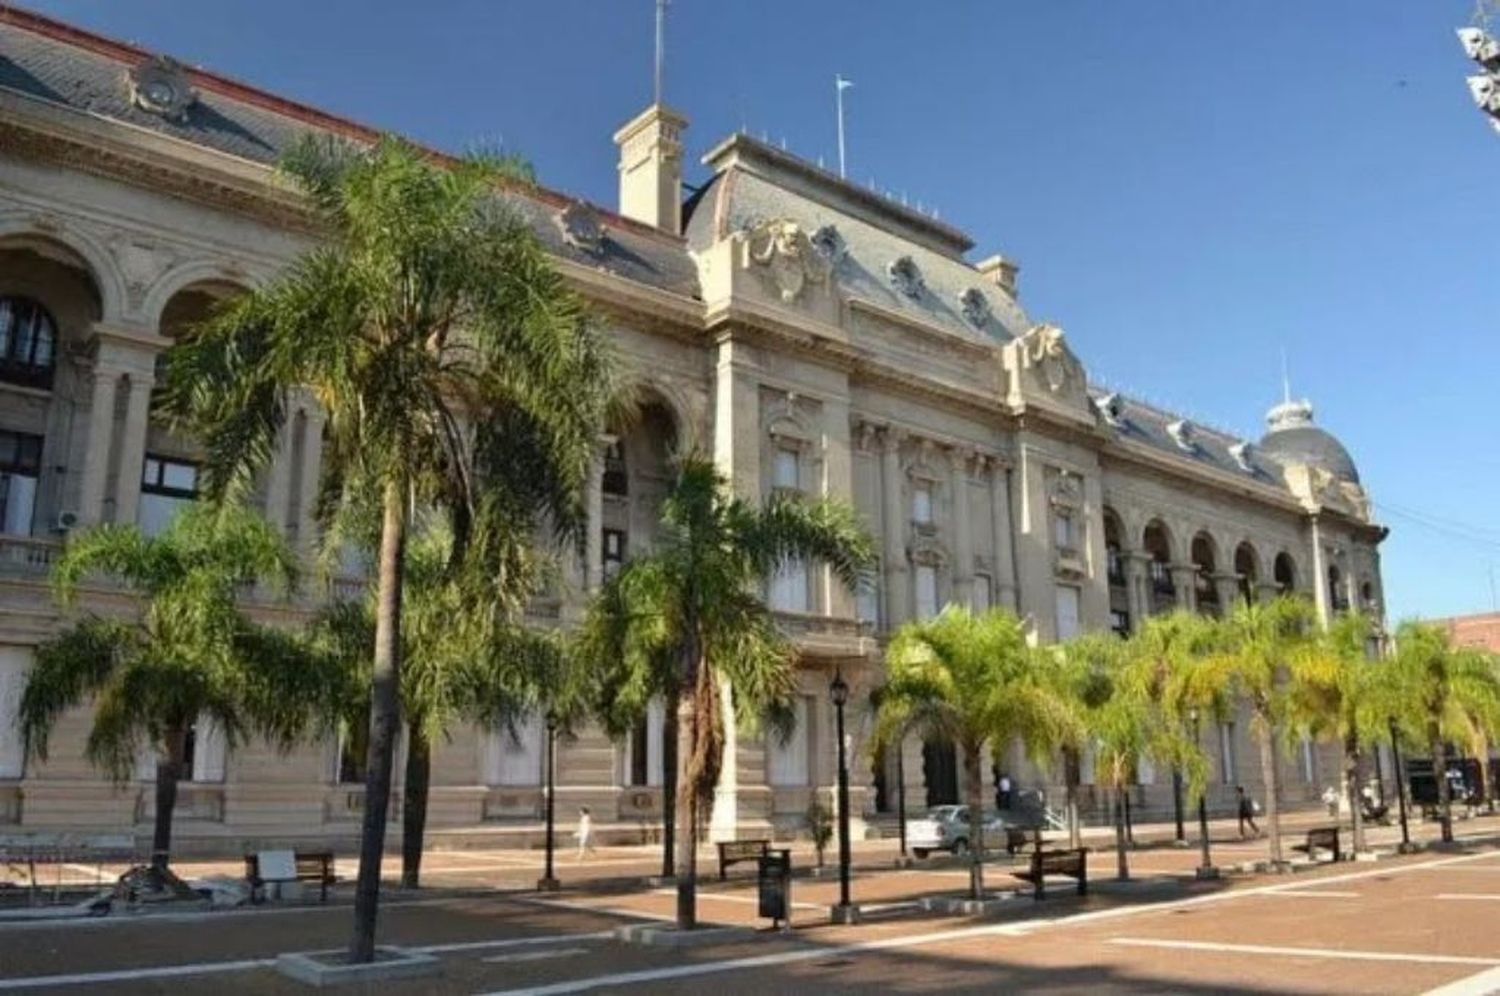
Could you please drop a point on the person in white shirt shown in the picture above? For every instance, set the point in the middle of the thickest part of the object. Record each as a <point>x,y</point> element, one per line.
<point>585,832</point>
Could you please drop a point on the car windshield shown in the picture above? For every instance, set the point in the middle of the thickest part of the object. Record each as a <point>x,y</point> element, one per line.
<point>945,813</point>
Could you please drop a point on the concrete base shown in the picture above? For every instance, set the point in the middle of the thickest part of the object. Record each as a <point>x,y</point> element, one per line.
<point>666,935</point>
<point>1150,885</point>
<point>824,871</point>
<point>904,863</point>
<point>957,906</point>
<point>1204,873</point>
<point>329,968</point>
<point>1410,847</point>
<point>1181,843</point>
<point>839,913</point>
<point>1365,856</point>
<point>548,885</point>
<point>660,881</point>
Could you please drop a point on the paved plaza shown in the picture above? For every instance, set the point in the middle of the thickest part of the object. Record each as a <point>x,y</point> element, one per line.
<point>1401,925</point>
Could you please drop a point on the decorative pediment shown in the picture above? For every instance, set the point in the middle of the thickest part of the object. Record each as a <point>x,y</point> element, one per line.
<point>161,86</point>
<point>581,227</point>
<point>781,252</point>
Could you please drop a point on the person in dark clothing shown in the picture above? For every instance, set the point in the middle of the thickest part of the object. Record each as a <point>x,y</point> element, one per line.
<point>1246,812</point>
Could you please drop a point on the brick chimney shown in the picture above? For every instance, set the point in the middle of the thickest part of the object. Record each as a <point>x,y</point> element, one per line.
<point>651,168</point>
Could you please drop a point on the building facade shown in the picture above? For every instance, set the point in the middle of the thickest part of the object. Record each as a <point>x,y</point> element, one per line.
<point>811,335</point>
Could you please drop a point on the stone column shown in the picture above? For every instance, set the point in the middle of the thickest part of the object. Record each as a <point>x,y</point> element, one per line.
<point>726,815</point>
<point>138,384</point>
<point>1228,587</point>
<point>98,444</point>
<point>307,498</point>
<point>1005,562</point>
<point>1319,570</point>
<point>1185,580</point>
<point>897,590</point>
<point>593,543</point>
<point>279,475</point>
<point>1135,588</point>
<point>963,544</point>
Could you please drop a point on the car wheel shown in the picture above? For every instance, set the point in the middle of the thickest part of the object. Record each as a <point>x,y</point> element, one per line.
<point>920,852</point>
<point>960,847</point>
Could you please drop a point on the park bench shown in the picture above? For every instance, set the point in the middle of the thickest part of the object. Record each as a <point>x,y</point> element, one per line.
<point>732,851</point>
<point>1071,862</point>
<point>307,866</point>
<point>1321,838</point>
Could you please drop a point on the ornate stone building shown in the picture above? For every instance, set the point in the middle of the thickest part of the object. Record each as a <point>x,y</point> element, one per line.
<point>812,335</point>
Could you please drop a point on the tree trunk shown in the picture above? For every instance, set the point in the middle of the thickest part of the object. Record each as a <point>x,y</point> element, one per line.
<point>1122,862</point>
<point>414,804</point>
<point>385,719</point>
<point>1444,788</point>
<point>1354,787</point>
<point>974,789</point>
<point>687,817</point>
<point>669,755</point>
<point>168,774</point>
<point>1272,781</point>
<point>1072,772</point>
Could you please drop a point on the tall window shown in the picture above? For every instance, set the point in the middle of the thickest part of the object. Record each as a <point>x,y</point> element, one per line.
<point>926,591</point>
<point>354,743</point>
<point>784,470</point>
<point>921,504</point>
<point>643,748</point>
<point>982,595</point>
<point>787,763</point>
<point>167,487</point>
<point>1067,612</point>
<point>867,598</point>
<point>516,754</point>
<point>614,551</point>
<point>28,342</point>
<point>1227,773</point>
<point>788,589</point>
<point>1063,531</point>
<point>20,467</point>
<point>616,479</point>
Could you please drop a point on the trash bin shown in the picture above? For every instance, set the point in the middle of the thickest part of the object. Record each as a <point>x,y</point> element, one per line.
<point>775,883</point>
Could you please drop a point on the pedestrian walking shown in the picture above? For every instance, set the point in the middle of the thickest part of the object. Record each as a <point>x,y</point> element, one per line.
<point>1005,791</point>
<point>1246,811</point>
<point>585,832</point>
<point>1331,800</point>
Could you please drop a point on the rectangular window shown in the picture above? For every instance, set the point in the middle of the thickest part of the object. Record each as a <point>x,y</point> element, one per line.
<point>354,742</point>
<point>616,479</point>
<point>516,754</point>
<point>167,487</point>
<point>207,750</point>
<point>614,551</point>
<point>1119,622</point>
<point>926,591</point>
<point>20,468</point>
<point>784,471</point>
<point>1062,530</point>
<point>867,599</point>
<point>981,596</point>
<point>1067,612</point>
<point>644,748</point>
<point>15,663</point>
<point>921,504</point>
<point>787,763</point>
<point>789,588</point>
<point>1227,772</point>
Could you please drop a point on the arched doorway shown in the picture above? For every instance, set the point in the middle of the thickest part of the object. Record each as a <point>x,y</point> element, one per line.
<point>1204,555</point>
<point>1247,566</point>
<point>1284,573</point>
<point>940,768</point>
<point>1156,542</point>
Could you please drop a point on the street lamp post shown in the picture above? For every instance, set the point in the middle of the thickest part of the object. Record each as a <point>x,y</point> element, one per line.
<point>845,911</point>
<point>1206,869</point>
<point>901,797</point>
<point>548,882</point>
<point>1177,804</point>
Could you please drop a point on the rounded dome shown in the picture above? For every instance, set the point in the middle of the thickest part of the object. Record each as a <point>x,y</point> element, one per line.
<point>1293,438</point>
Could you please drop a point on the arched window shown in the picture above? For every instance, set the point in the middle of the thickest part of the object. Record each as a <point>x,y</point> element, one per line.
<point>28,342</point>
<point>1285,573</point>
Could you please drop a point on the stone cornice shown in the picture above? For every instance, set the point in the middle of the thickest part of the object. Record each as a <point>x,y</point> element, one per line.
<point>939,335</point>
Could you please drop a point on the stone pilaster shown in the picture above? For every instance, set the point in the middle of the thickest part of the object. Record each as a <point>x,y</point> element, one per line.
<point>1005,561</point>
<point>895,517</point>
<point>963,544</point>
<point>1136,580</point>
<point>99,443</point>
<point>1185,580</point>
<point>137,384</point>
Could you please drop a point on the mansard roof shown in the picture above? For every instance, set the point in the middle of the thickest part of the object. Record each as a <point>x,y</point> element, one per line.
<point>62,65</point>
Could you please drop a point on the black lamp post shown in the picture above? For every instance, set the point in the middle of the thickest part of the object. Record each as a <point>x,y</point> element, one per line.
<point>1400,780</point>
<point>844,912</point>
<point>901,796</point>
<point>1206,869</point>
<point>548,882</point>
<point>1177,804</point>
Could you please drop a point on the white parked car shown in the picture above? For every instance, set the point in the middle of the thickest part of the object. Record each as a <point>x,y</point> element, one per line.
<point>946,828</point>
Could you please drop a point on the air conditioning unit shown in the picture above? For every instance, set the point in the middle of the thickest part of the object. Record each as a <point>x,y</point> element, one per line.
<point>65,522</point>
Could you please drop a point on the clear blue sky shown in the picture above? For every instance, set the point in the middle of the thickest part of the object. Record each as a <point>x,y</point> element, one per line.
<point>1190,186</point>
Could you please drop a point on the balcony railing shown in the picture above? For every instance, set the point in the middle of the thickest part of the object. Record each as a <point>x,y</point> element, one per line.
<point>27,554</point>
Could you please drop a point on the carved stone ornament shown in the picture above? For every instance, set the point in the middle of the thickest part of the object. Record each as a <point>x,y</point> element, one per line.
<point>1048,352</point>
<point>976,307</point>
<point>160,86</point>
<point>581,227</point>
<point>906,277</point>
<point>784,253</point>
<point>1067,489</point>
<point>829,242</point>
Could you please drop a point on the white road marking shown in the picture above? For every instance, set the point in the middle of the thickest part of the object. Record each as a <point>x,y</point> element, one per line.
<point>1317,894</point>
<point>1269,949</point>
<point>963,934</point>
<point>534,955</point>
<point>1483,896</point>
<point>1482,984</point>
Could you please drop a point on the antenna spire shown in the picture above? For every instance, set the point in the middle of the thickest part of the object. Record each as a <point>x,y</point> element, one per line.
<point>661,47</point>
<point>839,86</point>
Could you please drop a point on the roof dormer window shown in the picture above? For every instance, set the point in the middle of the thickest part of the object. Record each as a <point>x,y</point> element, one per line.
<point>1183,434</point>
<point>906,277</point>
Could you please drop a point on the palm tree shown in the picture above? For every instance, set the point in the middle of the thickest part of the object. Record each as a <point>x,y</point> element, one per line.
<point>1255,645</point>
<point>1078,672</point>
<point>432,329</point>
<point>693,600</point>
<point>1332,693</point>
<point>187,655</point>
<point>1440,694</point>
<point>465,657</point>
<point>967,679</point>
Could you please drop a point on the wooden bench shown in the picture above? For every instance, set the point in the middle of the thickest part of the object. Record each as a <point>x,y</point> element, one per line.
<point>1325,838</point>
<point>309,866</point>
<point>1073,862</point>
<point>732,851</point>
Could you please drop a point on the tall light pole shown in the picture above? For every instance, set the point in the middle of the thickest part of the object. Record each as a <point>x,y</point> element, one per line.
<point>548,882</point>
<point>901,795</point>
<point>845,911</point>
<point>1206,869</point>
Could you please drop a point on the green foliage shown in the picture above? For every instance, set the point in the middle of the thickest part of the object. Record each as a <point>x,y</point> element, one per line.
<point>189,651</point>
<point>1432,688</point>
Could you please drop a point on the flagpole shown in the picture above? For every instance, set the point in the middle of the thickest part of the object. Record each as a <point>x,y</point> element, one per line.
<point>840,85</point>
